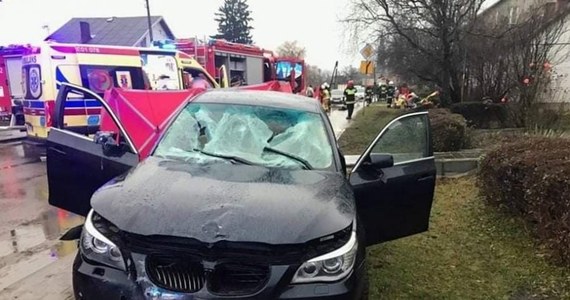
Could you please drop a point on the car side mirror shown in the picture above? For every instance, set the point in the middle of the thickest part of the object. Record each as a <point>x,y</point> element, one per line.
<point>381,161</point>
<point>108,142</point>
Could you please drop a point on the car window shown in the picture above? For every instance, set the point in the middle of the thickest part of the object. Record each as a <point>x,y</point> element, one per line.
<point>405,139</point>
<point>284,138</point>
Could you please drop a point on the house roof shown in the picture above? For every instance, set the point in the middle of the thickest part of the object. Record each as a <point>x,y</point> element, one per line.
<point>123,31</point>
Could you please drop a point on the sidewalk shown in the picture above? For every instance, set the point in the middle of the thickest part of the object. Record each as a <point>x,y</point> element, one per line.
<point>339,121</point>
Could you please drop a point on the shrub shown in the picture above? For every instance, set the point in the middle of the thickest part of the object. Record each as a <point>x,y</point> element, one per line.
<point>449,131</point>
<point>531,179</point>
<point>481,115</point>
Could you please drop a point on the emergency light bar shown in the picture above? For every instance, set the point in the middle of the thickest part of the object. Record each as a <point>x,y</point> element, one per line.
<point>165,44</point>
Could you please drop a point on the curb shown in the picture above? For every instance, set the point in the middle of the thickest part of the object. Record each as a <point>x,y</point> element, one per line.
<point>12,139</point>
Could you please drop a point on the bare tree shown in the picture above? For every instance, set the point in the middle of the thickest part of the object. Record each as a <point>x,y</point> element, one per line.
<point>515,61</point>
<point>317,76</point>
<point>291,49</point>
<point>431,33</point>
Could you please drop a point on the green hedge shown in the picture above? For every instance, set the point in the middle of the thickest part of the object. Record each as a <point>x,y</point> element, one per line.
<point>531,179</point>
<point>484,116</point>
<point>450,131</point>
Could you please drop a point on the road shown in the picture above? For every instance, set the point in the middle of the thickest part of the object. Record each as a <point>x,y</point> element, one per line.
<point>30,252</point>
<point>34,264</point>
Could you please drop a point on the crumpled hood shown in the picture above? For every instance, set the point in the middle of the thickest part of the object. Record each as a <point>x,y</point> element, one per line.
<point>227,202</point>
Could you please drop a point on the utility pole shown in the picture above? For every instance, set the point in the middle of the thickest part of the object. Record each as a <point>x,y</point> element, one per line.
<point>149,21</point>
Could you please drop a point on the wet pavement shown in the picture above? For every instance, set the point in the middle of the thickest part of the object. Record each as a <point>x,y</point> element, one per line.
<point>30,251</point>
<point>339,121</point>
<point>34,264</point>
<point>10,135</point>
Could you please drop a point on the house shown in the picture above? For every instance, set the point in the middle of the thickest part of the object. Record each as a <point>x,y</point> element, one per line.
<point>123,31</point>
<point>513,11</point>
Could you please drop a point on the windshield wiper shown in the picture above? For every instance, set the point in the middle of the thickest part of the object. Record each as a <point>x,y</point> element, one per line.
<point>228,157</point>
<point>304,162</point>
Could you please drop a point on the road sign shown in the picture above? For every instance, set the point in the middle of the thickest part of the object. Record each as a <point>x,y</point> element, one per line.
<point>367,51</point>
<point>366,67</point>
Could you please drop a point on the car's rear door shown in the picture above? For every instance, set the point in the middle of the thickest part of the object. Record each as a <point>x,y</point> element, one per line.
<point>394,180</point>
<point>77,165</point>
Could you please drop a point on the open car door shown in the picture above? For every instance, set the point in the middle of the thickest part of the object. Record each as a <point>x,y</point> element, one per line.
<point>77,165</point>
<point>394,180</point>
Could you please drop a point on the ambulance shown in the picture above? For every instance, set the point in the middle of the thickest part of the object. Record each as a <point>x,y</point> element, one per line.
<point>98,68</point>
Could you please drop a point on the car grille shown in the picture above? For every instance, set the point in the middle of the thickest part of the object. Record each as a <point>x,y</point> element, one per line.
<point>176,275</point>
<point>182,274</point>
<point>237,279</point>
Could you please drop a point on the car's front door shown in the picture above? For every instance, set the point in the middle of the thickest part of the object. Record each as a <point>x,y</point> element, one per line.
<point>77,165</point>
<point>394,180</point>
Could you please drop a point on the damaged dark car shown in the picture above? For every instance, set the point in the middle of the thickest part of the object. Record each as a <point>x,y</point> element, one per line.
<point>244,196</point>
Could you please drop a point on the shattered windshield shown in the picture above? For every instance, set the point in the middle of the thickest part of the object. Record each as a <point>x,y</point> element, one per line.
<point>204,133</point>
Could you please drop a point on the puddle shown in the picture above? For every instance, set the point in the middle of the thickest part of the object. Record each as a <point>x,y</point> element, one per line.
<point>27,248</point>
<point>29,227</point>
<point>45,231</point>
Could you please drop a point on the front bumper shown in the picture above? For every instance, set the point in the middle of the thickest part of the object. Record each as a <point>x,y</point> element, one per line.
<point>99,282</point>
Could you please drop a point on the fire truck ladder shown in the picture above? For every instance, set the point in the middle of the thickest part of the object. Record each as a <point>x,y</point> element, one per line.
<point>201,56</point>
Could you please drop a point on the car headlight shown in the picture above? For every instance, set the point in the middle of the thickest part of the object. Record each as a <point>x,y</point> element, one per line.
<point>98,248</point>
<point>332,266</point>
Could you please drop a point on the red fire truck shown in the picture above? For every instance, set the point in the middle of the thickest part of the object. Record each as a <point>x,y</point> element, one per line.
<point>244,64</point>
<point>11,92</point>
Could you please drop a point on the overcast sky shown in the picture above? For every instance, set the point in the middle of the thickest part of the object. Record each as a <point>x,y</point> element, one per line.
<point>314,23</point>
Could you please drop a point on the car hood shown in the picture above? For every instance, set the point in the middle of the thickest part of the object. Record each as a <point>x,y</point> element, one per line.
<point>221,201</point>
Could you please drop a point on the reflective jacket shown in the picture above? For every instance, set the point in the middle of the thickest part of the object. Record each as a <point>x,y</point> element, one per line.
<point>350,95</point>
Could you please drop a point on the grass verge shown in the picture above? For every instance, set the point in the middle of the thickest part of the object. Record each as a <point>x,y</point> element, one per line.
<point>471,252</point>
<point>365,127</point>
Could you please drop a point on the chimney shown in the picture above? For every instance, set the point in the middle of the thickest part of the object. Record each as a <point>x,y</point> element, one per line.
<point>85,32</point>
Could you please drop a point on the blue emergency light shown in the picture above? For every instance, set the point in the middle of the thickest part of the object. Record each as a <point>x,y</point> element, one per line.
<point>165,44</point>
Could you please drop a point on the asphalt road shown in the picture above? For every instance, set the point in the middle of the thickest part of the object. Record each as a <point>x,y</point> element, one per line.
<point>34,264</point>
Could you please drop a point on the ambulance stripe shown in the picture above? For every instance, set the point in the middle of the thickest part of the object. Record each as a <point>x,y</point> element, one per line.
<point>95,50</point>
<point>80,103</point>
<point>81,111</point>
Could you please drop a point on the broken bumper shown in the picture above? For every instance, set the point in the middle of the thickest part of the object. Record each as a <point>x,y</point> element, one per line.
<point>92,281</point>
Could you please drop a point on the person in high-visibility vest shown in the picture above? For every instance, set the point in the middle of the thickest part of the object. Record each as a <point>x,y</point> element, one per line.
<point>350,98</point>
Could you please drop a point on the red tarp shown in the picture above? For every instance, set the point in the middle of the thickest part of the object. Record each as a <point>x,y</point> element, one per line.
<point>144,114</point>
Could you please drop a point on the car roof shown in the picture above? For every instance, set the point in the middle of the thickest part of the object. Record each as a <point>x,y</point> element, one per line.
<point>259,98</point>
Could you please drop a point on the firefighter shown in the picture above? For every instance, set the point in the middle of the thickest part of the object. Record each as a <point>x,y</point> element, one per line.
<point>310,92</point>
<point>383,91</point>
<point>325,97</point>
<point>350,98</point>
<point>390,91</point>
<point>368,94</point>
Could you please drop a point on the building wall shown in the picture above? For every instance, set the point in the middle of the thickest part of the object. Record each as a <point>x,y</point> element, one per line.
<point>158,32</point>
<point>513,9</point>
<point>560,87</point>
<point>559,90</point>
